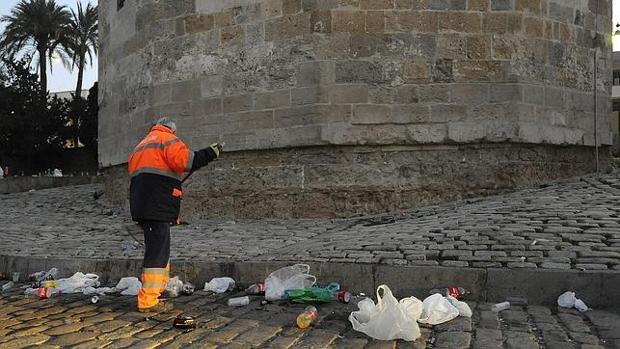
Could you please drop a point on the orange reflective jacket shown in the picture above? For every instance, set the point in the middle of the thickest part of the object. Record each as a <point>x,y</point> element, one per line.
<point>162,153</point>
<point>156,167</point>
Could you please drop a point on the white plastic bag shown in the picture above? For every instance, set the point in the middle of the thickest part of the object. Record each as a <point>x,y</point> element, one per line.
<point>129,286</point>
<point>220,285</point>
<point>77,283</point>
<point>388,319</point>
<point>288,278</point>
<point>580,305</point>
<point>99,291</point>
<point>437,310</point>
<point>569,300</point>
<point>462,307</point>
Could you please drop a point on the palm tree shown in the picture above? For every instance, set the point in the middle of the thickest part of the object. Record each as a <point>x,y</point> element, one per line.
<point>39,25</point>
<point>83,36</point>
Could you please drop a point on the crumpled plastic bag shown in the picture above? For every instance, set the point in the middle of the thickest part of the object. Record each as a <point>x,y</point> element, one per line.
<point>220,285</point>
<point>569,300</point>
<point>174,287</point>
<point>437,310</point>
<point>389,319</point>
<point>77,283</point>
<point>128,286</point>
<point>462,307</point>
<point>99,291</point>
<point>288,278</point>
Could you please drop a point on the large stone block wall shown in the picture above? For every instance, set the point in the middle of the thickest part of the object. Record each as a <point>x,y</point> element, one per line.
<point>265,75</point>
<point>347,181</point>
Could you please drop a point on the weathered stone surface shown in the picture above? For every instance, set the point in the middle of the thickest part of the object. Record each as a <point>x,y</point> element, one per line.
<point>226,70</point>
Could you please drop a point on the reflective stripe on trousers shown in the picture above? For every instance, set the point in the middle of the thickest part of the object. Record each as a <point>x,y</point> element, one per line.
<point>155,274</point>
<point>154,282</point>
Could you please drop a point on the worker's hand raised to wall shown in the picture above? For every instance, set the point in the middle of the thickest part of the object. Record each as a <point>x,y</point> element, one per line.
<point>217,148</point>
<point>204,156</point>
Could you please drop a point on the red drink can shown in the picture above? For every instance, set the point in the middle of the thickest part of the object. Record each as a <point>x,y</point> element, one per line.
<point>344,297</point>
<point>44,292</point>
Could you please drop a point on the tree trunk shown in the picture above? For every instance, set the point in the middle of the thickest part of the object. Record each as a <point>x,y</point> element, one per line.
<point>78,100</point>
<point>78,88</point>
<point>43,73</point>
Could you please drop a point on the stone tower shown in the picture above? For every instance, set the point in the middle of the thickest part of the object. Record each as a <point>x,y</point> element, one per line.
<point>332,108</point>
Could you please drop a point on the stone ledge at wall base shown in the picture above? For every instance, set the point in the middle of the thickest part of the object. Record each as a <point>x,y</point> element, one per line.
<point>16,184</point>
<point>597,288</point>
<point>346,181</point>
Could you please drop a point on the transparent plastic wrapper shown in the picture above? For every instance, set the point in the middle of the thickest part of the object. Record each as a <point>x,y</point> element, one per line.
<point>129,286</point>
<point>100,291</point>
<point>437,310</point>
<point>42,275</point>
<point>174,287</point>
<point>389,319</point>
<point>462,307</point>
<point>7,286</point>
<point>288,278</point>
<point>77,283</point>
<point>314,294</point>
<point>220,285</point>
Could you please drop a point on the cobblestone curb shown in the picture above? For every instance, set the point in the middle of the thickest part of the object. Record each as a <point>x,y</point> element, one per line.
<point>596,288</point>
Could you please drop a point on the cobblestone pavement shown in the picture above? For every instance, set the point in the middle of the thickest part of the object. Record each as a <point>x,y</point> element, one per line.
<point>72,321</point>
<point>571,224</point>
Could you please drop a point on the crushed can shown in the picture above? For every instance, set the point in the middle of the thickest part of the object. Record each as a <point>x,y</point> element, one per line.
<point>44,292</point>
<point>344,297</point>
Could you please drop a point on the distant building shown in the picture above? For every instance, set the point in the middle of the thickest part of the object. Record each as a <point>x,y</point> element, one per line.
<point>68,94</point>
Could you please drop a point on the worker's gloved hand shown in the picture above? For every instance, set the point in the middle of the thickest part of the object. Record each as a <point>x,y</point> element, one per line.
<point>217,148</point>
<point>204,156</point>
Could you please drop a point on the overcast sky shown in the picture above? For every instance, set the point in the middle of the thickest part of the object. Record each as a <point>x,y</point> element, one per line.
<point>63,80</point>
<point>60,79</point>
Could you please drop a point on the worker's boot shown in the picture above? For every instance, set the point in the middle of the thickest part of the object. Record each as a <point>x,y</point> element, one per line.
<point>160,307</point>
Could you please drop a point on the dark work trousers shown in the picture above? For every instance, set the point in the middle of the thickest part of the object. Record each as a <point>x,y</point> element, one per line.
<point>157,244</point>
<point>156,271</point>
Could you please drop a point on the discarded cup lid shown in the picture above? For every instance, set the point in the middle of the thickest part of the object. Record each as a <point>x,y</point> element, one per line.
<point>184,322</point>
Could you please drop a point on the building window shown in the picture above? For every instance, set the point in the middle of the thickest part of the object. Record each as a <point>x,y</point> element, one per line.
<point>119,4</point>
<point>617,78</point>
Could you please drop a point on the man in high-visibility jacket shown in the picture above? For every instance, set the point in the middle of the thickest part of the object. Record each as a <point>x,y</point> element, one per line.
<point>156,167</point>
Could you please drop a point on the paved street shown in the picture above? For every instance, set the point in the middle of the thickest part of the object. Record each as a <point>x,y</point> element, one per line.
<point>72,321</point>
<point>569,225</point>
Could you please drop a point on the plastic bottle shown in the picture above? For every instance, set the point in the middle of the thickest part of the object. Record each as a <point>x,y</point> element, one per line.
<point>496,308</point>
<point>307,318</point>
<point>257,289</point>
<point>239,302</point>
<point>456,292</point>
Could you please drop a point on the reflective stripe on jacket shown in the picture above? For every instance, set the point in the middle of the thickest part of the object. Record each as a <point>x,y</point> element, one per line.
<point>156,167</point>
